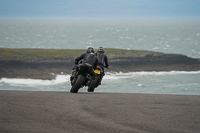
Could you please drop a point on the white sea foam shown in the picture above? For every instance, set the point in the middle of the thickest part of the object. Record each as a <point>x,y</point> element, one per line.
<point>121,75</point>
<point>155,48</point>
<point>154,73</point>
<point>174,82</point>
<point>36,82</point>
<point>60,79</point>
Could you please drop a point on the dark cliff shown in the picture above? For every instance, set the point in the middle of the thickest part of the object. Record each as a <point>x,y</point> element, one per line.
<point>41,67</point>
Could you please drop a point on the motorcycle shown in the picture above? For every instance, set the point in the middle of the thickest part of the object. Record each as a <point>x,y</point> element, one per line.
<point>96,82</point>
<point>81,77</point>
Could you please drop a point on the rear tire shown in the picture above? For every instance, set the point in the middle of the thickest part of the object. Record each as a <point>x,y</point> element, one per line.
<point>78,84</point>
<point>92,85</point>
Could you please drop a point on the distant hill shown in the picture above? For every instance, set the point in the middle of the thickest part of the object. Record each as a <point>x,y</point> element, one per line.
<point>47,63</point>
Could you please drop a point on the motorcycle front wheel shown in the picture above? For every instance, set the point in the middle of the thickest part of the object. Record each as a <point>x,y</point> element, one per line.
<point>78,84</point>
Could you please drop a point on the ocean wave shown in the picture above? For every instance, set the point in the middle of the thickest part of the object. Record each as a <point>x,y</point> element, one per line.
<point>60,79</point>
<point>36,82</point>
<point>153,73</point>
<point>121,75</point>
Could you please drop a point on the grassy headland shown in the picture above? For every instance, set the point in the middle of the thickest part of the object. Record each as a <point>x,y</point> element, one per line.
<point>39,63</point>
<point>52,53</point>
<point>44,53</point>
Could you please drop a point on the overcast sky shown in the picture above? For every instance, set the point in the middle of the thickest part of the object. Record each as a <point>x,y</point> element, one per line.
<point>100,8</point>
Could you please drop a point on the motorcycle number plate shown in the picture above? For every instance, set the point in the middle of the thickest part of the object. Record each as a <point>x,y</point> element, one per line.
<point>97,71</point>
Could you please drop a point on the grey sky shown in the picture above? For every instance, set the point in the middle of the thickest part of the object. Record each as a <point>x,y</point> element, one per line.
<point>100,8</point>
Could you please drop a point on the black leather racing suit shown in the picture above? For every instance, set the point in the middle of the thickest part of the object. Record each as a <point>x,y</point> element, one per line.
<point>102,61</point>
<point>89,58</point>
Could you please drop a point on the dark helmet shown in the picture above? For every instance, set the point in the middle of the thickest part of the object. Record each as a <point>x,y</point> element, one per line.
<point>100,50</point>
<point>90,50</point>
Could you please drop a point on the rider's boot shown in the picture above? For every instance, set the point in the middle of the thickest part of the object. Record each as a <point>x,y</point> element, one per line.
<point>100,81</point>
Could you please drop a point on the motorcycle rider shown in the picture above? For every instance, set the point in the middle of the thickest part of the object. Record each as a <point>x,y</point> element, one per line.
<point>89,59</point>
<point>102,60</point>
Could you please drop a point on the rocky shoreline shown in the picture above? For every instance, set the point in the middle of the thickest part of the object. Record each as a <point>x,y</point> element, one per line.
<point>123,60</point>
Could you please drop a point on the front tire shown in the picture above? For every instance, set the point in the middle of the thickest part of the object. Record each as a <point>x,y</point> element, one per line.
<point>78,84</point>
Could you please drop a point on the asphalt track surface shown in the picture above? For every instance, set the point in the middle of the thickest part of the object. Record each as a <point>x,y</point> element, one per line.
<point>64,112</point>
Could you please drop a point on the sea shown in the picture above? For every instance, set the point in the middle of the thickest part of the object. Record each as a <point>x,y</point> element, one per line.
<point>168,36</point>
